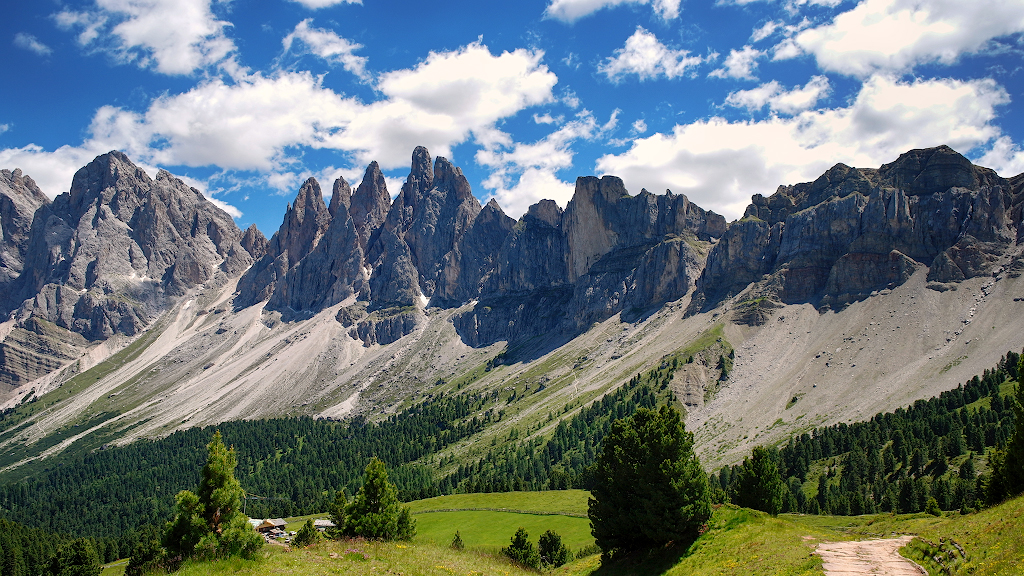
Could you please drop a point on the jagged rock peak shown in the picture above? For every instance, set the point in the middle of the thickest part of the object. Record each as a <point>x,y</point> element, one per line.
<point>304,224</point>
<point>104,257</point>
<point>370,204</point>
<point>20,197</point>
<point>254,242</point>
<point>546,211</point>
<point>420,168</point>
<point>931,170</point>
<point>342,196</point>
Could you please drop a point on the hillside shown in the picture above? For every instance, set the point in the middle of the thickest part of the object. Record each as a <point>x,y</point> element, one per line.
<point>847,293</point>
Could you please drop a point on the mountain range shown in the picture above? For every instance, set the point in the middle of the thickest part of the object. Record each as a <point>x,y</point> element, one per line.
<point>146,306</point>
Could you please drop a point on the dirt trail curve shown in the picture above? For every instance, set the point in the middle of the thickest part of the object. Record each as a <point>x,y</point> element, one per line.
<point>867,557</point>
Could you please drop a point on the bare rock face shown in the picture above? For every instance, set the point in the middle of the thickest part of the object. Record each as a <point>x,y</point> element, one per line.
<point>395,281</point>
<point>254,242</point>
<point>474,256</point>
<point>433,211</point>
<point>331,272</point>
<point>369,205</point>
<point>103,258</point>
<point>20,197</point>
<point>854,231</point>
<point>608,252</point>
<point>305,223</point>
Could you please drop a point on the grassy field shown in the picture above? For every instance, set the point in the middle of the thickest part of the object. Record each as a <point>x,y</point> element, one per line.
<point>569,502</point>
<point>489,531</point>
<point>360,558</point>
<point>738,542</point>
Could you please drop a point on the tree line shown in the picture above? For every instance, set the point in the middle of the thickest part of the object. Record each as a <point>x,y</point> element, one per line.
<point>898,461</point>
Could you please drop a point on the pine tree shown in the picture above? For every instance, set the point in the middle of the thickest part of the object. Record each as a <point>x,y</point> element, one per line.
<point>336,512</point>
<point>210,524</point>
<point>760,485</point>
<point>649,488</point>
<point>375,512</point>
<point>1013,462</point>
<point>521,550</point>
<point>307,535</point>
<point>75,559</point>
<point>551,549</point>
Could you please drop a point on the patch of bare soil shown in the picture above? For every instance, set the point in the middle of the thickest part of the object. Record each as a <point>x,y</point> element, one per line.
<point>867,557</point>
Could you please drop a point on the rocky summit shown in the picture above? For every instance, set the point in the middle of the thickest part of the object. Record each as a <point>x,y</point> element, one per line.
<point>897,279</point>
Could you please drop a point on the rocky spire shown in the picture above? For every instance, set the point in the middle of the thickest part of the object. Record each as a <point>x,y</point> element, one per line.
<point>254,242</point>
<point>342,196</point>
<point>370,204</point>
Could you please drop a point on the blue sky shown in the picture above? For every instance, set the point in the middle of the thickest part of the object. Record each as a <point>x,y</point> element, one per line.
<point>717,100</point>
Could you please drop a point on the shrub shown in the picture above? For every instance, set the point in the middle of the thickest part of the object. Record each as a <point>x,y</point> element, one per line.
<point>521,550</point>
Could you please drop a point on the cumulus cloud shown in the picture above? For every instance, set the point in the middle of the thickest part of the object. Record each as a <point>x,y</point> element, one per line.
<point>572,10</point>
<point>1005,157</point>
<point>896,35</point>
<point>778,99</point>
<point>29,42</point>
<point>256,122</point>
<point>648,58</point>
<point>327,45</point>
<point>739,64</point>
<point>171,36</point>
<point>719,164</point>
<point>533,166</point>
<point>317,4</point>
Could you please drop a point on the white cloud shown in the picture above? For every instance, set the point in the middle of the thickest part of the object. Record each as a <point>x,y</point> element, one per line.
<point>317,4</point>
<point>547,118</point>
<point>639,127</point>
<point>648,58</point>
<point>4,128</point>
<point>719,164</point>
<point>533,166</point>
<point>766,30</point>
<point>572,10</point>
<point>256,122</point>
<point>171,36</point>
<point>327,45</point>
<point>1005,157</point>
<point>32,44</point>
<point>52,171</point>
<point>231,210</point>
<point>778,99</point>
<point>739,64</point>
<point>896,35</point>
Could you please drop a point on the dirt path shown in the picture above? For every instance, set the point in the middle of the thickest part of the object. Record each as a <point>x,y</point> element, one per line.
<point>867,557</point>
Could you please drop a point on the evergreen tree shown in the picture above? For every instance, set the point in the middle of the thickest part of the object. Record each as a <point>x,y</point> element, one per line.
<point>1013,462</point>
<point>374,512</point>
<point>147,553</point>
<point>457,543</point>
<point>760,486</point>
<point>521,550</point>
<point>210,524</point>
<point>649,487</point>
<point>551,549</point>
<point>307,535</point>
<point>336,512</point>
<point>75,559</point>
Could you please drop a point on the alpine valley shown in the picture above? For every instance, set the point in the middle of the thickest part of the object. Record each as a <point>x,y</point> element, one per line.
<point>133,307</point>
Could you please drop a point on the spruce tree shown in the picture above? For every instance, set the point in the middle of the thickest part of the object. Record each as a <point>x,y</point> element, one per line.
<point>760,485</point>
<point>375,512</point>
<point>210,524</point>
<point>649,488</point>
<point>1013,462</point>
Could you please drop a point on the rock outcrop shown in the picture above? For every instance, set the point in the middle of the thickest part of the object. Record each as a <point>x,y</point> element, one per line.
<point>20,197</point>
<point>855,231</point>
<point>254,242</point>
<point>103,257</point>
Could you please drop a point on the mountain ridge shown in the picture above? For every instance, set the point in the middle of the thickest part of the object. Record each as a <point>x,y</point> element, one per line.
<point>362,309</point>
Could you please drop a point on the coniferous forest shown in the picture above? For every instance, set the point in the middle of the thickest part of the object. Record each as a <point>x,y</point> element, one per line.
<point>895,461</point>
